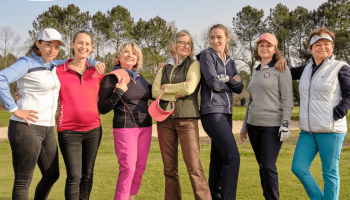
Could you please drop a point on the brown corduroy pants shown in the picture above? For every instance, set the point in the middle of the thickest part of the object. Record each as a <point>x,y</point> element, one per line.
<point>170,131</point>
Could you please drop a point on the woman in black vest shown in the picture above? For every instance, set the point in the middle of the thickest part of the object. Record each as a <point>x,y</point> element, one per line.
<point>179,81</point>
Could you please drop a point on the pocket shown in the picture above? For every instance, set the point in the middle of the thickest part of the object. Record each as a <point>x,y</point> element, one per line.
<point>15,136</point>
<point>219,99</point>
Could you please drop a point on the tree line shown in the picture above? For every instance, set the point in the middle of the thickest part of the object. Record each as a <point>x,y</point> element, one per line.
<point>115,26</point>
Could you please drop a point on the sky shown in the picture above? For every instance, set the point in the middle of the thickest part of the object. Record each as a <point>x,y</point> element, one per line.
<point>192,15</point>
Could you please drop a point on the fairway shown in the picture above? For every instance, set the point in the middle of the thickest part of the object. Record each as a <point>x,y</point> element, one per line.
<point>152,187</point>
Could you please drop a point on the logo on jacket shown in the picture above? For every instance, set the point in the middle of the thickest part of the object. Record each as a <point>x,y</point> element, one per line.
<point>267,75</point>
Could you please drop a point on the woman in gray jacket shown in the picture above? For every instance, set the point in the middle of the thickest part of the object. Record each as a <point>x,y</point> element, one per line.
<point>268,112</point>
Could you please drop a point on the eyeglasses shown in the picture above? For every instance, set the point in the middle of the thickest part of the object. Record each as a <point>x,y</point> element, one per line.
<point>184,43</point>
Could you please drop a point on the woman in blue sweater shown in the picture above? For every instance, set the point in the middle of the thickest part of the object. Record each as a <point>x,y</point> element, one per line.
<point>219,80</point>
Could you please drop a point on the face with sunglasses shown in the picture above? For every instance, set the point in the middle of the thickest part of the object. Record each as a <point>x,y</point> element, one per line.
<point>183,47</point>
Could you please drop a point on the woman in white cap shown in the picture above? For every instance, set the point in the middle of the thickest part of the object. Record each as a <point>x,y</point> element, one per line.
<point>179,81</point>
<point>268,112</point>
<point>324,102</point>
<point>31,128</point>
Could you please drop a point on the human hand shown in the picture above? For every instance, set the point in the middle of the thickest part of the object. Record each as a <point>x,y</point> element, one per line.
<point>26,115</point>
<point>281,64</point>
<point>122,85</point>
<point>161,65</point>
<point>163,87</point>
<point>100,68</point>
<point>284,131</point>
<point>224,78</point>
<point>237,78</point>
<point>179,96</point>
<point>243,135</point>
<point>17,96</point>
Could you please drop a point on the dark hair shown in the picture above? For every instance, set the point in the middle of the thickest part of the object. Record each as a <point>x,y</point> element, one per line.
<point>276,56</point>
<point>222,27</point>
<point>34,48</point>
<point>319,31</point>
<point>75,37</point>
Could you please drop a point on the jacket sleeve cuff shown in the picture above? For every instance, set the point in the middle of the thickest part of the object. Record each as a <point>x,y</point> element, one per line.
<point>13,109</point>
<point>336,115</point>
<point>244,126</point>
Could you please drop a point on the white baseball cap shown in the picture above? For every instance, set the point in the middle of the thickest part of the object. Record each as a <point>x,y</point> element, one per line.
<point>317,37</point>
<point>50,34</point>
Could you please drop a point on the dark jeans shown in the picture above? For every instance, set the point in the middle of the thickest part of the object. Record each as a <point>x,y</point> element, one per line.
<point>224,156</point>
<point>266,145</point>
<point>33,145</point>
<point>79,150</point>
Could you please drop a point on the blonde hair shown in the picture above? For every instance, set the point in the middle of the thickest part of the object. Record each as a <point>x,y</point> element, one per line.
<point>135,48</point>
<point>175,38</point>
<point>222,27</point>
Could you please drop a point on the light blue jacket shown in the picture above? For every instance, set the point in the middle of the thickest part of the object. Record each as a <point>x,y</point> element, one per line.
<point>23,66</point>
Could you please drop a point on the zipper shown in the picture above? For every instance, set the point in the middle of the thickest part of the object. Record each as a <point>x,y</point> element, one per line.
<point>308,103</point>
<point>53,96</point>
<point>228,99</point>
<point>211,97</point>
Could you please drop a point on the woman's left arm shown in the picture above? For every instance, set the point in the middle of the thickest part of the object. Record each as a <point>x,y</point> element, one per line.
<point>236,86</point>
<point>286,90</point>
<point>342,108</point>
<point>100,67</point>
<point>189,86</point>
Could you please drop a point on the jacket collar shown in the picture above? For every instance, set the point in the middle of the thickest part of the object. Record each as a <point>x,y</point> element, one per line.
<point>41,61</point>
<point>227,57</point>
<point>331,58</point>
<point>172,61</point>
<point>66,65</point>
<point>270,64</point>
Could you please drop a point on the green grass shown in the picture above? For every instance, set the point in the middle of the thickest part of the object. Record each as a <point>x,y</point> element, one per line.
<point>238,112</point>
<point>4,118</point>
<point>152,187</point>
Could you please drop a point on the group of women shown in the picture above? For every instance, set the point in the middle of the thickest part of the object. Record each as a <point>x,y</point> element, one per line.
<point>83,92</point>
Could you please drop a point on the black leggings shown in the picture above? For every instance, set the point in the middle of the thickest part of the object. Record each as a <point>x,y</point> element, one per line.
<point>79,150</point>
<point>266,145</point>
<point>224,156</point>
<point>33,145</point>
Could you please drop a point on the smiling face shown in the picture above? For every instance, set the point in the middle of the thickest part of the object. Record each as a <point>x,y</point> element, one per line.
<point>183,47</point>
<point>82,46</point>
<point>322,49</point>
<point>266,50</point>
<point>48,49</point>
<point>218,40</point>
<point>127,57</point>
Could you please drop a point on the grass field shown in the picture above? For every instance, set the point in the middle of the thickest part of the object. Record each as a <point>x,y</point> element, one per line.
<point>4,118</point>
<point>152,188</point>
<point>238,113</point>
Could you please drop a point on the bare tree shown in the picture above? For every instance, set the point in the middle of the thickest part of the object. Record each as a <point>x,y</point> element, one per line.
<point>8,43</point>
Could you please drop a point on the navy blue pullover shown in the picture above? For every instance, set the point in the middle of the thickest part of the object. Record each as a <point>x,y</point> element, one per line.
<point>216,96</point>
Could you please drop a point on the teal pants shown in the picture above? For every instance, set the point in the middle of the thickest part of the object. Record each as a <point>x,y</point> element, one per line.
<point>329,146</point>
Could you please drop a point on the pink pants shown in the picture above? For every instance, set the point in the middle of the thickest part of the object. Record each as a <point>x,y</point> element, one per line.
<point>132,147</point>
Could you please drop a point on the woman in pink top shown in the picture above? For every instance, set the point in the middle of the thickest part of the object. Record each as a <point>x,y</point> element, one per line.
<point>78,125</point>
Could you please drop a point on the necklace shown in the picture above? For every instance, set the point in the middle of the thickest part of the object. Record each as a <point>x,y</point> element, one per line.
<point>79,70</point>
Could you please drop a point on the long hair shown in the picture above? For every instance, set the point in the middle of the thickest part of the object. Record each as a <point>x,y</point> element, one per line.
<point>34,48</point>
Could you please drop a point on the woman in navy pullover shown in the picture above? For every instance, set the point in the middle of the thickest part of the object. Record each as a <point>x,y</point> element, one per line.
<point>219,80</point>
